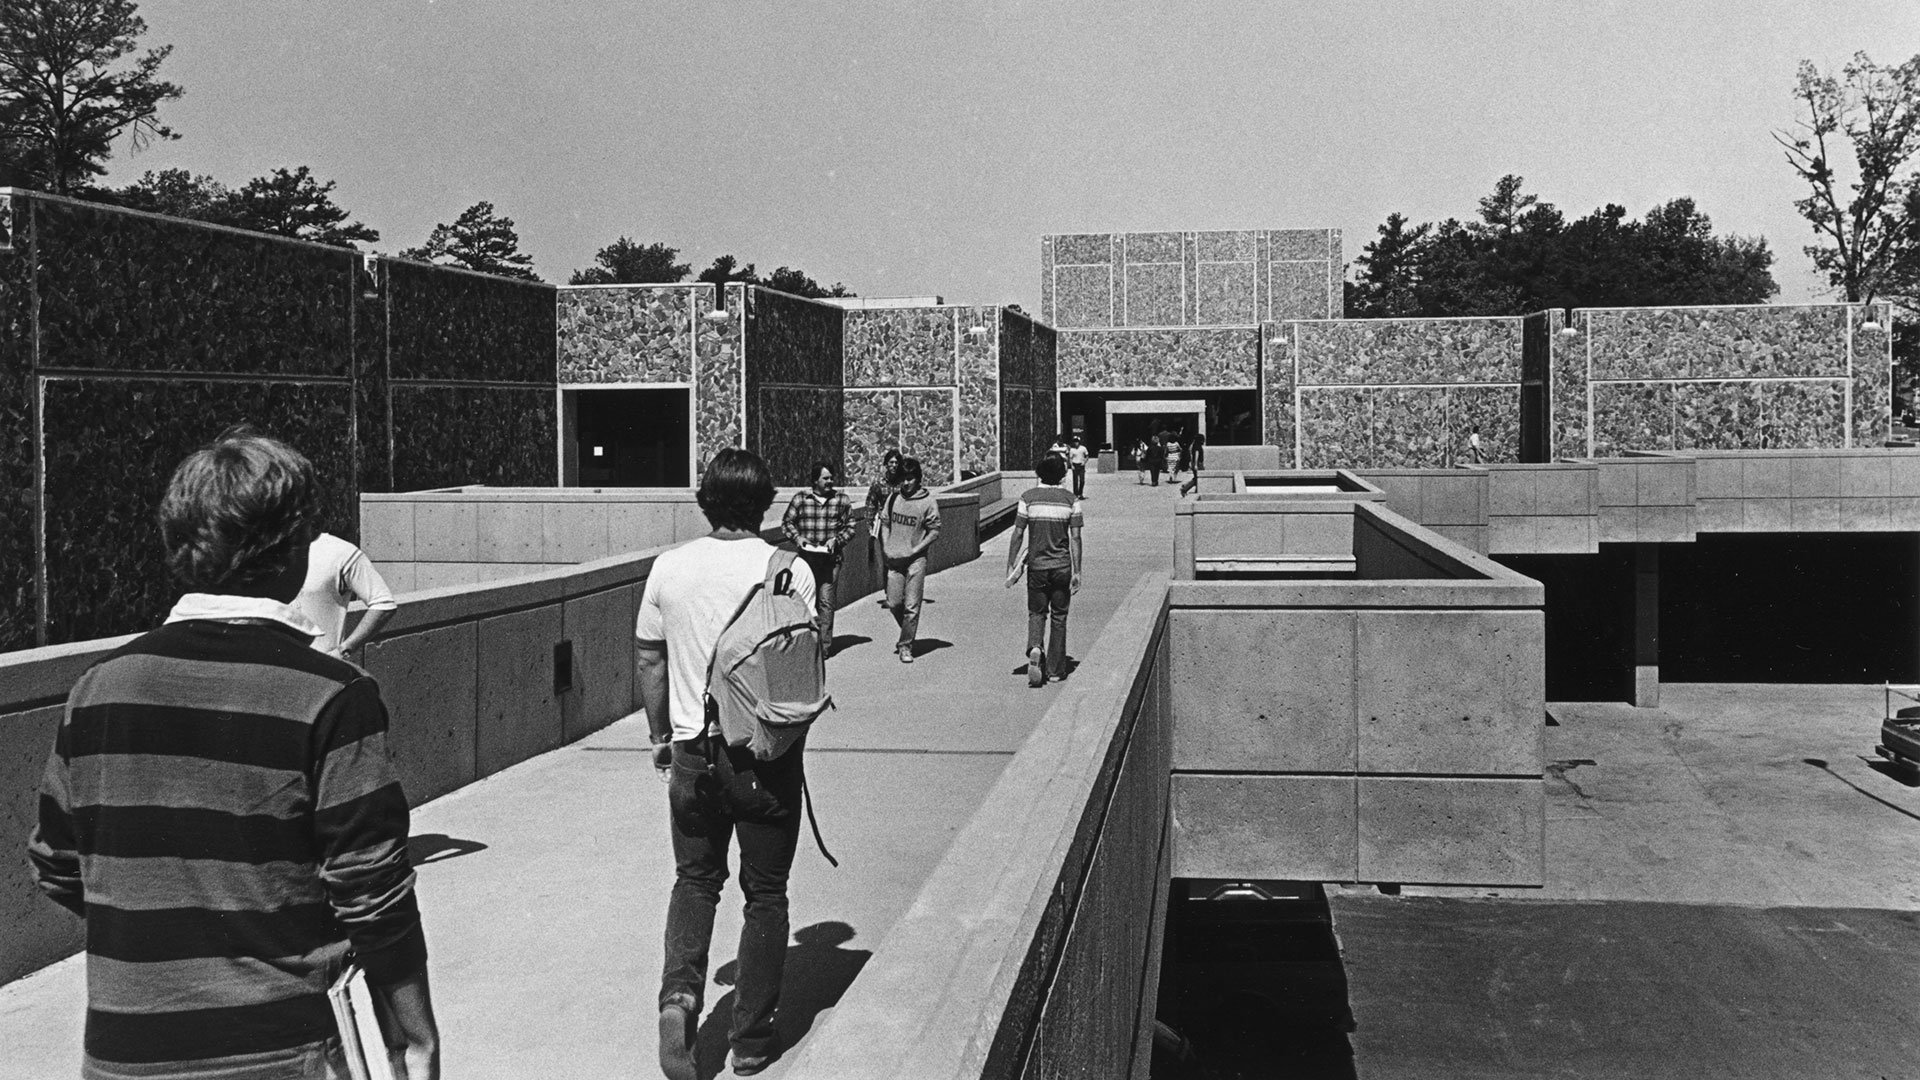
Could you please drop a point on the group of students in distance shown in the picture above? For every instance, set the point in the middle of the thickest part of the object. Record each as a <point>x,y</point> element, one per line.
<point>220,807</point>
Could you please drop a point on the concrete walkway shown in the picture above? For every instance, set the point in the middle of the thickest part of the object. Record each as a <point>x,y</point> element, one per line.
<point>544,887</point>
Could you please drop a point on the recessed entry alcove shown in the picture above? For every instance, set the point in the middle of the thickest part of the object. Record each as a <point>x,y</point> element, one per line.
<point>626,437</point>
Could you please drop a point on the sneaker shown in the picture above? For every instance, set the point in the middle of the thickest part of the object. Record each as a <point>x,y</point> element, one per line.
<point>906,654</point>
<point>676,1041</point>
<point>1036,669</point>
<point>747,1065</point>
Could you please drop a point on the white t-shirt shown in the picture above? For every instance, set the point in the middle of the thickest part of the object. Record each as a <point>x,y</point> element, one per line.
<point>689,599</point>
<point>1077,455</point>
<point>337,573</point>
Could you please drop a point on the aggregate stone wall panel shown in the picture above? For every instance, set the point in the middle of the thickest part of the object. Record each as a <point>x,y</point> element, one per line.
<point>1083,296</point>
<point>1016,350</point>
<point>1494,411</point>
<point>1016,413</point>
<point>718,377</point>
<point>1150,359</point>
<point>1719,343</point>
<point>451,436</point>
<point>1567,386</point>
<point>1154,294</point>
<point>926,431</point>
<point>19,601</point>
<point>798,426</point>
<point>370,381</point>
<point>123,291</point>
<point>794,340</point>
<point>1298,290</point>
<point>1045,346</point>
<point>452,324</point>
<point>1873,377</point>
<point>1225,293</point>
<point>1385,351</point>
<point>980,392</point>
<point>873,428</point>
<point>105,567</point>
<point>1632,416</point>
<point>900,347</point>
<point>630,335</point>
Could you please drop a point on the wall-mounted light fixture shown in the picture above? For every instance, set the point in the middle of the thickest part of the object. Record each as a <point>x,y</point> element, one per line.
<point>6,223</point>
<point>1871,325</point>
<point>719,313</point>
<point>369,275</point>
<point>976,331</point>
<point>1569,330</point>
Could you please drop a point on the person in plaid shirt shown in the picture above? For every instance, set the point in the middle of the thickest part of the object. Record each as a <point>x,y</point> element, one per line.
<point>819,521</point>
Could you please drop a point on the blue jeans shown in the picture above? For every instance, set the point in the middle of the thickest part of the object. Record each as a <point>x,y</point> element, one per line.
<point>906,588</point>
<point>714,792</point>
<point>1049,595</point>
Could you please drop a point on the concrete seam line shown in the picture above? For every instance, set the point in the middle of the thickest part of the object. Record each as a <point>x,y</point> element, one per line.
<point>969,932</point>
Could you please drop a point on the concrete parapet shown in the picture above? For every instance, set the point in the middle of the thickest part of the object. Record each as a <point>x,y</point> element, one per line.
<point>1294,828</point>
<point>1227,458</point>
<point>1032,948</point>
<point>1452,830</point>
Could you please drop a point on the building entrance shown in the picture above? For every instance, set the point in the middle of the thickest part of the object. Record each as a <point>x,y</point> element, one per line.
<point>625,437</point>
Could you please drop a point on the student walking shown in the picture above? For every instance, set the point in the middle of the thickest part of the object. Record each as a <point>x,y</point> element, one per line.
<point>910,523</point>
<point>1077,461</point>
<point>219,807</point>
<point>1049,518</point>
<point>337,573</point>
<point>1140,459</point>
<point>877,496</point>
<point>819,521</point>
<point>714,791</point>
<point>1156,456</point>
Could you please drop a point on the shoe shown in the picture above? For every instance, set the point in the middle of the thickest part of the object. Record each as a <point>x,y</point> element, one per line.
<point>747,1065</point>
<point>676,1041</point>
<point>906,654</point>
<point>1036,669</point>
<point>1062,677</point>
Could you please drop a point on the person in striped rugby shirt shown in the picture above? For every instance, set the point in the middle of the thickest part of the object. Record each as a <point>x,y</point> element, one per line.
<point>1052,515</point>
<point>219,808</point>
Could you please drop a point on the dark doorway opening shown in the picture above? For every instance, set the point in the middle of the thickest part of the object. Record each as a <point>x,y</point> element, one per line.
<point>1232,416</point>
<point>628,438</point>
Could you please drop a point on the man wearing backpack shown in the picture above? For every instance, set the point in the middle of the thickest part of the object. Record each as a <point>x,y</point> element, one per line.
<point>909,524</point>
<point>715,791</point>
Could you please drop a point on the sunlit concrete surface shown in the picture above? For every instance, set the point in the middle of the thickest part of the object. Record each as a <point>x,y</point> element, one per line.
<point>1733,890</point>
<point>544,887</point>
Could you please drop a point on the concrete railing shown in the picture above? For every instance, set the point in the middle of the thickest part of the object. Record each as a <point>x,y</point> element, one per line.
<point>1033,949</point>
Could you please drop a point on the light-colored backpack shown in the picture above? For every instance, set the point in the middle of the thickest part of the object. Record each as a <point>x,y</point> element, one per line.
<point>767,681</point>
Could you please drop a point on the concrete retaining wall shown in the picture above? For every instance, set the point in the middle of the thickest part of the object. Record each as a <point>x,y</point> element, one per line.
<point>1033,949</point>
<point>1383,728</point>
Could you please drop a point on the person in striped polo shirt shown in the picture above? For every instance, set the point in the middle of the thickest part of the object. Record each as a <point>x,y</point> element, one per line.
<point>1051,515</point>
<point>220,809</point>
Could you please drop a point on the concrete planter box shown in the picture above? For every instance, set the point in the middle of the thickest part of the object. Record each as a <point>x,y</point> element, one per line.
<point>1385,720</point>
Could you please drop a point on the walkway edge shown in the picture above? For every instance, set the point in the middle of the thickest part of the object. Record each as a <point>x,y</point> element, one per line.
<point>933,998</point>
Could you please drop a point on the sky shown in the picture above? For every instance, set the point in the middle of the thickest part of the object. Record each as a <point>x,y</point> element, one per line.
<point>924,148</point>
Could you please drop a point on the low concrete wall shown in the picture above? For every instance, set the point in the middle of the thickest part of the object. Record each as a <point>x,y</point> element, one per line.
<point>1385,728</point>
<point>468,674</point>
<point>470,535</point>
<point>1033,950</point>
<point>1245,457</point>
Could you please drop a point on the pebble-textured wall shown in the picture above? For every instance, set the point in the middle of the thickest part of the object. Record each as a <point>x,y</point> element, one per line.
<point>795,367</point>
<point>719,377</point>
<point>634,334</point>
<point>800,425</point>
<point>1149,359</point>
<point>1231,278</point>
<point>451,324</point>
<point>19,591</point>
<point>979,372</point>
<point>1728,378</point>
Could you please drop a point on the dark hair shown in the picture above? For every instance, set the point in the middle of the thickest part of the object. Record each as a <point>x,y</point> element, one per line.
<point>892,455</point>
<point>910,468</point>
<point>1051,468</point>
<point>736,490</point>
<point>818,468</point>
<point>237,511</point>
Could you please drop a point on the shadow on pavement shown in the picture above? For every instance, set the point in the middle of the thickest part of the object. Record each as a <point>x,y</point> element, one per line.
<point>818,973</point>
<point>925,645</point>
<point>1824,767</point>
<point>843,642</point>
<point>439,847</point>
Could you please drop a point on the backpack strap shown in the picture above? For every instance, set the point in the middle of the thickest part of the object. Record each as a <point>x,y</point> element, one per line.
<point>779,581</point>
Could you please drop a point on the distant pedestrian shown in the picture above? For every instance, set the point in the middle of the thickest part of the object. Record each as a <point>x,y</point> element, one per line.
<point>1174,457</point>
<point>1198,452</point>
<point>1077,461</point>
<point>1049,518</point>
<point>220,809</point>
<point>819,521</point>
<point>1140,459</point>
<point>877,496</point>
<point>715,791</point>
<point>1059,446</point>
<point>337,573</point>
<point>1156,456</point>
<point>1475,452</point>
<point>910,523</point>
